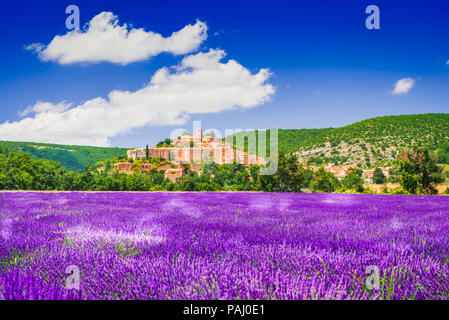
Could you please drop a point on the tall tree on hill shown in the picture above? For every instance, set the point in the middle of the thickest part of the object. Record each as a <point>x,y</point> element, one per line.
<point>147,153</point>
<point>443,153</point>
<point>186,169</point>
<point>419,171</point>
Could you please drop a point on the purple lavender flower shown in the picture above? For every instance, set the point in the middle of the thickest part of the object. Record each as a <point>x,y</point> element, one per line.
<point>222,246</point>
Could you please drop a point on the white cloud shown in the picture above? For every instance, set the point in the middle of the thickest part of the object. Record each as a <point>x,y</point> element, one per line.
<point>403,86</point>
<point>201,83</point>
<point>105,40</point>
<point>49,107</point>
<point>447,62</point>
<point>36,47</point>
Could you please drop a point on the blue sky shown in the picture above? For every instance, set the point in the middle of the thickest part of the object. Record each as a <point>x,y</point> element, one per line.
<point>327,69</point>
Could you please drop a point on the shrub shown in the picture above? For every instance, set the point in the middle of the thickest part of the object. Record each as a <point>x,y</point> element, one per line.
<point>369,191</point>
<point>399,191</point>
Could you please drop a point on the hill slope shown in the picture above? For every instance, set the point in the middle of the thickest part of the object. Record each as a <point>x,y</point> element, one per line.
<point>71,157</point>
<point>289,139</point>
<point>368,142</point>
<point>379,139</point>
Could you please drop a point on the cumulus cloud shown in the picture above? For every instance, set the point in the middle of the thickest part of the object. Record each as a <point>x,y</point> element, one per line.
<point>403,86</point>
<point>200,83</point>
<point>49,107</point>
<point>103,39</point>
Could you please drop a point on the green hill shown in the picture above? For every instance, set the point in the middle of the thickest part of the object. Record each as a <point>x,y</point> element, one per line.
<point>71,157</point>
<point>380,139</point>
<point>289,139</point>
<point>369,142</point>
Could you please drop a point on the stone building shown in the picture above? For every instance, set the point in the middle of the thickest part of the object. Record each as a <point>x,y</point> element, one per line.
<point>124,166</point>
<point>173,174</point>
<point>197,148</point>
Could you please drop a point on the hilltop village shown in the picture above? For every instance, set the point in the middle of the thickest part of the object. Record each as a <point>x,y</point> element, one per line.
<point>188,149</point>
<point>198,148</point>
<point>388,155</point>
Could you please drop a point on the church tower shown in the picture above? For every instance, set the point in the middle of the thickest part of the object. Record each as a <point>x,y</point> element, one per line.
<point>198,135</point>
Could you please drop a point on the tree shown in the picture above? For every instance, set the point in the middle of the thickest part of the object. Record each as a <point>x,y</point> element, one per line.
<point>147,153</point>
<point>209,168</point>
<point>290,173</point>
<point>185,166</point>
<point>353,181</point>
<point>308,176</point>
<point>395,173</point>
<point>188,182</point>
<point>443,154</point>
<point>289,176</point>
<point>356,171</point>
<point>419,171</point>
<point>323,181</point>
<point>164,143</point>
<point>379,177</point>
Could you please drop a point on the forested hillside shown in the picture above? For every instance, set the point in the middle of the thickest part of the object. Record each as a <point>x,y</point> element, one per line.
<point>372,142</point>
<point>380,139</point>
<point>71,157</point>
<point>18,171</point>
<point>289,139</point>
<point>375,141</point>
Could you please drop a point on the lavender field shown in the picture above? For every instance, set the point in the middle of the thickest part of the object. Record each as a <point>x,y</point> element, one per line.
<point>222,246</point>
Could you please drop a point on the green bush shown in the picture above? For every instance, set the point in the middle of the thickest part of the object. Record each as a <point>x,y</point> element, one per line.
<point>399,191</point>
